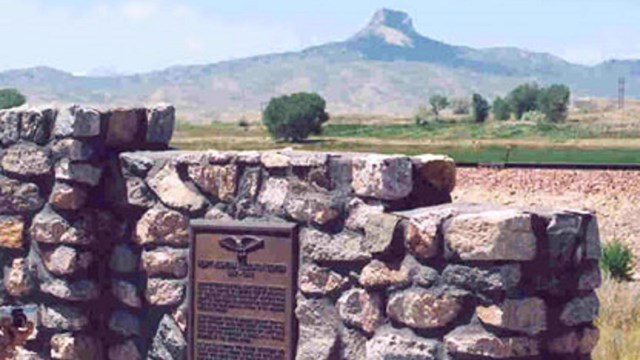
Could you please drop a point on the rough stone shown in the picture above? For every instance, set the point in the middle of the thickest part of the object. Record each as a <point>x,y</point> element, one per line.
<point>169,342</point>
<point>522,315</point>
<point>73,149</point>
<point>403,344</point>
<point>17,279</point>
<point>592,239</point>
<point>138,193</point>
<point>26,159</point>
<point>123,259</point>
<point>159,226</point>
<point>126,293</point>
<point>359,212</point>
<point>18,197</point>
<point>77,121</point>
<point>563,234</point>
<point>51,228</point>
<point>80,290</point>
<point>498,278</point>
<point>419,274</point>
<point>82,173</point>
<point>62,317</point>
<point>217,214</point>
<point>361,309</point>
<point>310,204</point>
<point>589,340</point>
<point>165,261</point>
<point>343,247</point>
<point>36,126</point>
<point>353,344</point>
<point>68,196</point>
<point>438,170</point>
<point>379,232</point>
<point>125,351</point>
<point>316,280</point>
<point>382,177</point>
<point>382,275</point>
<point>68,346</point>
<point>11,232</point>
<point>181,315</point>
<point>9,128</point>
<point>123,126</point>
<point>160,124</point>
<point>424,309</point>
<point>136,163</point>
<point>475,341</point>
<point>492,235</point>
<point>162,292</point>
<point>319,322</point>
<point>173,192</point>
<point>273,194</point>
<point>124,323</point>
<point>216,180</point>
<point>590,278</point>
<point>566,343</point>
<point>65,260</point>
<point>274,160</point>
<point>580,310</point>
<point>421,236</point>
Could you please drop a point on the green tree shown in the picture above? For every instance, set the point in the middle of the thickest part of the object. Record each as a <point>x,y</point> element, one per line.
<point>480,108</point>
<point>438,103</point>
<point>553,102</point>
<point>11,98</point>
<point>523,98</point>
<point>295,117</point>
<point>501,109</point>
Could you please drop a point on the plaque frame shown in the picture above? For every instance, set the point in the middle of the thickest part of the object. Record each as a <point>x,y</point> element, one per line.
<point>284,230</point>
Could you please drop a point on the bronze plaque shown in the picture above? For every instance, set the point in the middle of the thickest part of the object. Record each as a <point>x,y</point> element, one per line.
<point>242,291</point>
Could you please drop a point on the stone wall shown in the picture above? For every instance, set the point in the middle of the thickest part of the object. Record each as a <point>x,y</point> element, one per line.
<point>390,269</point>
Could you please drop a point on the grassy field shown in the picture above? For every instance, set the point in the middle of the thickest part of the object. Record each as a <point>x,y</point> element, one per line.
<point>576,141</point>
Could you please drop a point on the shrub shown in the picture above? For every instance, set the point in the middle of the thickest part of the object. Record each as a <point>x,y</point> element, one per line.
<point>501,109</point>
<point>480,108</point>
<point>617,261</point>
<point>243,123</point>
<point>554,102</point>
<point>422,115</point>
<point>10,98</point>
<point>460,106</point>
<point>438,103</point>
<point>534,116</point>
<point>295,117</point>
<point>524,98</point>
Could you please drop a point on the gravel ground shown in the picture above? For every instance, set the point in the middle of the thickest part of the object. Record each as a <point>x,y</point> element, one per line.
<point>613,195</point>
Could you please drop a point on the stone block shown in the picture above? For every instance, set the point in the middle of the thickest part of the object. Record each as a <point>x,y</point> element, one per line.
<point>11,232</point>
<point>496,278</point>
<point>319,322</point>
<point>51,228</point>
<point>79,290</point>
<point>73,149</point>
<point>36,126</point>
<point>527,315</point>
<point>380,275</point>
<point>361,309</point>
<point>68,346</point>
<point>138,194</point>
<point>438,170</point>
<point>359,212</point>
<point>401,345</point>
<point>169,342</point>
<point>124,351</point>
<point>19,197</point>
<point>160,124</point>
<point>77,121</point>
<point>18,280</point>
<point>126,292</point>
<point>316,280</point>
<point>162,292</point>
<point>9,128</point>
<point>82,173</point>
<point>424,309</point>
<point>490,236</point>
<point>160,226</point>
<point>473,340</point>
<point>382,177</point>
<point>216,180</point>
<point>63,317</point>
<point>123,259</point>
<point>68,196</point>
<point>311,204</point>
<point>173,192</point>
<point>379,232</point>
<point>273,194</point>
<point>165,261</point>
<point>343,247</point>
<point>124,127</point>
<point>580,310</point>
<point>65,260</point>
<point>26,160</point>
<point>125,323</point>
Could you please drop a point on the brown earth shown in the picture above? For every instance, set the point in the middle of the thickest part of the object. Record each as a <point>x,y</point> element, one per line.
<point>613,195</point>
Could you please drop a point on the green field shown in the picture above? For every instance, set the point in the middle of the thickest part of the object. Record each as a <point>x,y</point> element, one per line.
<point>464,141</point>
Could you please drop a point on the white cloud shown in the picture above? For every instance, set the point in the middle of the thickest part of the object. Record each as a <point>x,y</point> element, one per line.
<point>139,10</point>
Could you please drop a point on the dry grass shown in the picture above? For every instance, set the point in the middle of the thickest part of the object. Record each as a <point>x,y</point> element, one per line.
<point>619,321</point>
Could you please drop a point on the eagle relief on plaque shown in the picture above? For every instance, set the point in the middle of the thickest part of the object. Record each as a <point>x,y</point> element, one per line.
<point>242,291</point>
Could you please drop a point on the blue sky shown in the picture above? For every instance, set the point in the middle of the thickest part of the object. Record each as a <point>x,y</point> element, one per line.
<point>143,35</point>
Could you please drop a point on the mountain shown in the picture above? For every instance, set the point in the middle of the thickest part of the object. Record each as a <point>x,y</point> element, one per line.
<point>385,68</point>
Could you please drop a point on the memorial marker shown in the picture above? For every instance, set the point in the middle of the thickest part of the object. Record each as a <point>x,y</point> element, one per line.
<point>242,291</point>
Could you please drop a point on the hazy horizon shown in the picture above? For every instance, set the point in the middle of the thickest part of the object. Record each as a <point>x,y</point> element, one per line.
<point>130,36</point>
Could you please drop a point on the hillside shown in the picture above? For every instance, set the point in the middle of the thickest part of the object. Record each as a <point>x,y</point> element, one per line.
<point>386,68</point>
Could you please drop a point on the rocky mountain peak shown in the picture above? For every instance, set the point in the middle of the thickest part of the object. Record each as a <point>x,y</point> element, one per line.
<point>392,26</point>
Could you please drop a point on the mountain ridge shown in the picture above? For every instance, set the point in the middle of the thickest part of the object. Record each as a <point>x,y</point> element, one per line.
<point>386,67</point>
